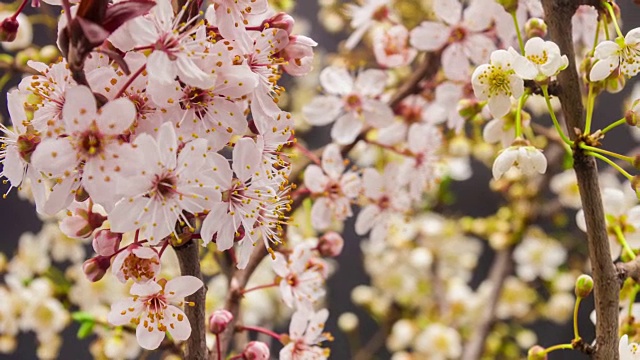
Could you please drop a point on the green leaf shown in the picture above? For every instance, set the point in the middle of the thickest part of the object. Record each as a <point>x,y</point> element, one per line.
<point>86,329</point>
<point>82,316</point>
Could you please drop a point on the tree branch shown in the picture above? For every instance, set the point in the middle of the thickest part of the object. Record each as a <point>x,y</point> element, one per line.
<point>189,259</point>
<point>558,15</point>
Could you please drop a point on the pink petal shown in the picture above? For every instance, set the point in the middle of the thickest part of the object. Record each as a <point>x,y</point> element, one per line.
<point>149,339</point>
<point>336,80</point>
<point>346,129</point>
<point>177,323</point>
<point>80,108</point>
<point>429,36</point>
<point>332,162</point>
<point>180,287</point>
<point>145,289</point>
<point>322,110</point>
<point>54,157</point>
<point>116,116</point>
<point>314,179</point>
<point>120,314</point>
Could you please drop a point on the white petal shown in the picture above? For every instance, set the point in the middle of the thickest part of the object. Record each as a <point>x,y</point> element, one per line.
<point>116,116</point>
<point>371,82</point>
<point>177,323</point>
<point>322,110</point>
<point>455,62</point>
<point>429,36</point>
<point>450,11</point>
<point>336,80</point>
<point>366,219</point>
<point>161,69</point>
<point>377,113</point>
<point>332,162</point>
<point>120,314</point>
<point>524,68</point>
<point>499,105</point>
<point>55,156</point>
<point>603,68</point>
<point>245,159</point>
<point>321,214</point>
<point>80,108</point>
<point>314,179</point>
<point>149,339</point>
<point>504,162</point>
<point>346,129</point>
<point>179,287</point>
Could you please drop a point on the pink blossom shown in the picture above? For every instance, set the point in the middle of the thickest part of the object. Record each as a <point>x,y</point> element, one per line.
<point>334,189</point>
<point>305,333</point>
<point>136,262</point>
<point>364,17</point>
<point>155,309</point>
<point>391,47</point>
<point>166,184</point>
<point>299,55</point>
<point>300,285</point>
<point>460,34</point>
<point>352,102</point>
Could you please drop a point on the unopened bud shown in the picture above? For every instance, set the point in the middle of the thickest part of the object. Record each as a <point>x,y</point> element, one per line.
<point>219,321</point>
<point>535,27</point>
<point>509,5</point>
<point>330,244</point>
<point>631,117</point>
<point>106,243</point>
<point>584,286</point>
<point>9,29</point>
<point>348,322</point>
<point>256,350</point>
<point>22,57</point>
<point>282,21</point>
<point>95,268</point>
<point>468,108</point>
<point>615,82</point>
<point>537,352</point>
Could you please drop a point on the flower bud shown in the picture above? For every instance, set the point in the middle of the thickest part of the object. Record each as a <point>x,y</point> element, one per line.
<point>535,27</point>
<point>95,268</point>
<point>330,244</point>
<point>348,322</point>
<point>9,29</point>
<point>631,117</point>
<point>280,20</point>
<point>106,243</point>
<point>49,53</point>
<point>256,350</point>
<point>584,286</point>
<point>509,5</point>
<point>219,321</point>
<point>468,108</point>
<point>537,353</point>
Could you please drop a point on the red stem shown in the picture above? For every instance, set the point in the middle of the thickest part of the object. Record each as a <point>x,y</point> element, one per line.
<point>307,153</point>
<point>130,80</point>
<point>260,330</point>
<point>20,8</point>
<point>265,286</point>
<point>218,347</point>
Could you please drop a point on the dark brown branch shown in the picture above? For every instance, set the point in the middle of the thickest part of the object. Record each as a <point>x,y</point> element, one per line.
<point>629,269</point>
<point>425,70</point>
<point>189,259</point>
<point>606,289</point>
<point>237,283</point>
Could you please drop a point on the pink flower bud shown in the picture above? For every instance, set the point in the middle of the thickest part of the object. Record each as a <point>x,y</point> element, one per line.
<point>256,350</point>
<point>219,321</point>
<point>106,243</point>
<point>330,244</point>
<point>9,29</point>
<point>95,268</point>
<point>282,21</point>
<point>299,55</point>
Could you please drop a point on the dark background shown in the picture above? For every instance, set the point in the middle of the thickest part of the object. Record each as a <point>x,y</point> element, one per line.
<point>474,198</point>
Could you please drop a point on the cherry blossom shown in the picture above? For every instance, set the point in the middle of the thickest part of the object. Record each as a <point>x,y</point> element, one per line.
<point>365,16</point>
<point>24,35</point>
<point>627,350</point>
<point>541,60</point>
<point>136,262</point>
<point>167,183</point>
<point>335,188</point>
<point>305,333</point>
<point>352,102</point>
<point>175,45</point>
<point>298,55</point>
<point>300,285</point>
<point>92,150</point>
<point>391,47</point>
<point>497,83</point>
<point>461,35</point>
<point>423,142</point>
<point>622,53</point>
<point>231,14</point>
<point>155,309</point>
<point>528,159</point>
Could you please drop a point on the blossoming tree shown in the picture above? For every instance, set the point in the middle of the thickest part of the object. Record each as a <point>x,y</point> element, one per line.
<point>161,133</point>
